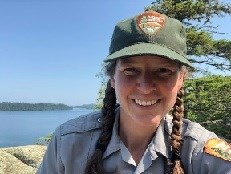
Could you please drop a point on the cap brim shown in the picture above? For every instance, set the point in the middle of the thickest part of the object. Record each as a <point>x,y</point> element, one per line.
<point>148,49</point>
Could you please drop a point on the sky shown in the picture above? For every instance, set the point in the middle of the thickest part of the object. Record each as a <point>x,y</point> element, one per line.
<point>51,50</point>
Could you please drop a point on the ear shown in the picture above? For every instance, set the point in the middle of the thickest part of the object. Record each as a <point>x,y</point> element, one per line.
<point>112,82</point>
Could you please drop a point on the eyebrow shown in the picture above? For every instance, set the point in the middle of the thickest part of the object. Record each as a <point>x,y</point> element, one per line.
<point>126,60</point>
<point>165,62</point>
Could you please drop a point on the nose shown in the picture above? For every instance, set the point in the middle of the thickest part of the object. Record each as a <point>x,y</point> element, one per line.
<point>145,84</point>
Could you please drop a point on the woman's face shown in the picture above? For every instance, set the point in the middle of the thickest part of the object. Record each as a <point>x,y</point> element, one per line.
<point>146,88</point>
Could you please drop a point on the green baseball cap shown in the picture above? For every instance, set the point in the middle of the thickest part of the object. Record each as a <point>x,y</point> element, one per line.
<point>149,33</point>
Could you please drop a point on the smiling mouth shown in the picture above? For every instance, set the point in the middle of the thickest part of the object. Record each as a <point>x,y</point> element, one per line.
<point>145,102</point>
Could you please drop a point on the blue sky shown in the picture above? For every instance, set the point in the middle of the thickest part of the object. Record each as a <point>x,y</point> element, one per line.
<point>51,50</point>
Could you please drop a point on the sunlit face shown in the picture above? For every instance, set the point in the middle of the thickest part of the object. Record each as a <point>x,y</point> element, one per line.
<point>146,88</point>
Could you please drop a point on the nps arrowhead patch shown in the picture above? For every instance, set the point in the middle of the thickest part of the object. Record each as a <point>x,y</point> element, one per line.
<point>219,148</point>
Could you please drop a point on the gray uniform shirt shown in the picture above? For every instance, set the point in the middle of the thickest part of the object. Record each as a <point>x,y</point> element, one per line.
<point>73,143</point>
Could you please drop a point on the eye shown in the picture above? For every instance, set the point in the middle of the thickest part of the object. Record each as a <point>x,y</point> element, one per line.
<point>165,71</point>
<point>130,71</point>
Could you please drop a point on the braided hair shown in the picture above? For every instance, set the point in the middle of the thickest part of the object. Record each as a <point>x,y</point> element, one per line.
<point>95,163</point>
<point>176,141</point>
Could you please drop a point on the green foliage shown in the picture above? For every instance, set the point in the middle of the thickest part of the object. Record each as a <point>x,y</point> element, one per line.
<point>194,10</point>
<point>101,94</point>
<point>208,101</point>
<point>44,140</point>
<point>6,106</point>
<point>199,43</point>
<point>223,48</point>
<point>197,16</point>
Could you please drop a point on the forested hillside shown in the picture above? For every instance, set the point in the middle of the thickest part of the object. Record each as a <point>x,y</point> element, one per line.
<point>7,106</point>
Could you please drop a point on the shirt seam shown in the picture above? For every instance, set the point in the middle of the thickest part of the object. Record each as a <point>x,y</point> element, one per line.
<point>59,149</point>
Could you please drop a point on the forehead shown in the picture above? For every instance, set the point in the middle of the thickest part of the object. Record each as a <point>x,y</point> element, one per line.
<point>150,60</point>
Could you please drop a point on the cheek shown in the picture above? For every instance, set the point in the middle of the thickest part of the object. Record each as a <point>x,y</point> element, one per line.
<point>174,83</point>
<point>122,81</point>
<point>170,87</point>
<point>123,87</point>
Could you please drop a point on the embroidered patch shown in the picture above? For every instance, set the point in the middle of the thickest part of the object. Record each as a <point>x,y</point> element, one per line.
<point>219,148</point>
<point>150,22</point>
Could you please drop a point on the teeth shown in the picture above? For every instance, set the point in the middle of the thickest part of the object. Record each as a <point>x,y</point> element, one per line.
<point>145,103</point>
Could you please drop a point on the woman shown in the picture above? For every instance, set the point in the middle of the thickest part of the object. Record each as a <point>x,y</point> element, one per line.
<point>145,133</point>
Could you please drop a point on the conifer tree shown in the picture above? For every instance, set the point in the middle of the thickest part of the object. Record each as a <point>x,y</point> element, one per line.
<point>197,16</point>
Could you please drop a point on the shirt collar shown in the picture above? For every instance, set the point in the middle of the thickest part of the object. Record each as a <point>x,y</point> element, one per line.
<point>161,142</point>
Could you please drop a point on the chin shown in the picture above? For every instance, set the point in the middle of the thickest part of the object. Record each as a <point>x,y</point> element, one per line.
<point>148,119</point>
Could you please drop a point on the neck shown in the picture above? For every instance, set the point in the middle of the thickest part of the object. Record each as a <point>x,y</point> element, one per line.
<point>136,137</point>
<point>133,135</point>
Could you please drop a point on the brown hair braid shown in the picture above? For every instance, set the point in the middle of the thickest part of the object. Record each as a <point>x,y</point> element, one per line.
<point>95,163</point>
<point>176,141</point>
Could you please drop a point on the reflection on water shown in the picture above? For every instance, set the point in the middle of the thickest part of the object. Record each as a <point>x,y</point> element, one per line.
<point>19,128</point>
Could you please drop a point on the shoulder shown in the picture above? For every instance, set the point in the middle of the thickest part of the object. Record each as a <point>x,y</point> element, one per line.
<point>218,148</point>
<point>80,124</point>
<point>206,141</point>
<point>196,131</point>
<point>191,130</point>
<point>203,141</point>
<point>194,137</point>
<point>203,150</point>
<point>73,142</point>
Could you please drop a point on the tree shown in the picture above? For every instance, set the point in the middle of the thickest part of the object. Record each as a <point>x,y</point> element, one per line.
<point>197,16</point>
<point>207,101</point>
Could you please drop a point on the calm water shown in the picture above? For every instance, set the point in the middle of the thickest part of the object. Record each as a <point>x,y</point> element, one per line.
<point>19,128</point>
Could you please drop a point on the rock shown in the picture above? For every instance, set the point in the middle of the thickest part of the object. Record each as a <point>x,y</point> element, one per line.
<point>21,160</point>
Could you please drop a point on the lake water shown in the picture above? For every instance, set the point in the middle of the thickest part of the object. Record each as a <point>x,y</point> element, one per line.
<point>18,128</point>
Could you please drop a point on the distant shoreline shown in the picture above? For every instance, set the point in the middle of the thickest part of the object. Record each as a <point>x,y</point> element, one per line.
<point>9,106</point>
